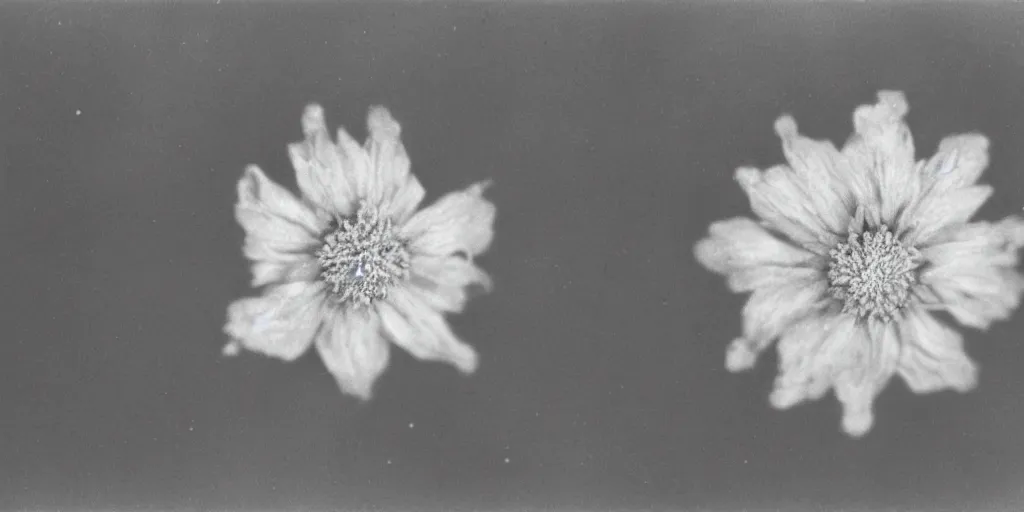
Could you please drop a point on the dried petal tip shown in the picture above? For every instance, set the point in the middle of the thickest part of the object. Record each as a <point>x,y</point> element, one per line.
<point>231,349</point>
<point>313,119</point>
<point>739,357</point>
<point>895,102</point>
<point>785,127</point>
<point>857,423</point>
<point>381,124</point>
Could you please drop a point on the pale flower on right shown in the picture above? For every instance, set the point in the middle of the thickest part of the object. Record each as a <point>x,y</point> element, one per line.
<point>854,251</point>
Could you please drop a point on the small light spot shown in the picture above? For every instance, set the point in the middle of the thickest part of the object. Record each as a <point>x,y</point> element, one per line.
<point>78,112</point>
<point>389,462</point>
<point>412,425</point>
<point>506,460</point>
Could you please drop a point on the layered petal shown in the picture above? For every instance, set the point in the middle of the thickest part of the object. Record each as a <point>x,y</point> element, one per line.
<point>277,226</point>
<point>459,222</point>
<point>281,323</point>
<point>751,256</point>
<point>422,331</point>
<point>398,191</point>
<point>777,196</point>
<point>443,281</point>
<point>933,356</point>
<point>332,176</point>
<point>353,351</point>
<point>974,273</point>
<point>882,149</point>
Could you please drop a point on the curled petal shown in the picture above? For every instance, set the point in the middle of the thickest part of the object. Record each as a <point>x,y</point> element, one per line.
<point>330,175</point>
<point>443,281</point>
<point>353,351</point>
<point>422,332</point>
<point>883,148</point>
<point>461,221</point>
<point>277,225</point>
<point>777,197</point>
<point>870,366</point>
<point>280,324</point>
<point>398,189</point>
<point>933,356</point>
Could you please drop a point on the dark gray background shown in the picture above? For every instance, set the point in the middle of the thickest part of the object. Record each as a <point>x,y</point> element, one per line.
<point>611,132</point>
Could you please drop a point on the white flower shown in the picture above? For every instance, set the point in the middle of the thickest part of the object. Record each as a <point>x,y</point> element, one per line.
<point>855,250</point>
<point>352,264</point>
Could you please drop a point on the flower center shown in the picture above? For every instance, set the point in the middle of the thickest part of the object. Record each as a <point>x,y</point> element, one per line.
<point>362,258</point>
<point>872,273</point>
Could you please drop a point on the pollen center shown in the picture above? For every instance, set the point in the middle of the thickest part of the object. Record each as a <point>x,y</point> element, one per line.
<point>872,274</point>
<point>362,258</point>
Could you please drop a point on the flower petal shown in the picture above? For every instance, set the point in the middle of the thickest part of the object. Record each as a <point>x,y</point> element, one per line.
<point>974,273</point>
<point>934,218</point>
<point>883,149</point>
<point>281,323</point>
<point>777,197</point>
<point>399,192</point>
<point>303,268</point>
<point>869,367</point>
<point>820,169</point>
<point>277,225</point>
<point>330,175</point>
<point>461,221</point>
<point>443,281</point>
<point>933,356</point>
<point>353,350</point>
<point>422,331</point>
<point>958,163</point>
<point>751,256</point>
<point>769,312</point>
<point>809,353</point>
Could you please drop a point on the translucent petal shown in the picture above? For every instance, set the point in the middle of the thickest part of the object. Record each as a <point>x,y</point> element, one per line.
<point>870,367</point>
<point>461,221</point>
<point>777,197</point>
<point>422,331</point>
<point>281,323</point>
<point>353,350</point>
<point>822,171</point>
<point>933,356</point>
<point>399,192</point>
<point>331,175</point>
<point>882,150</point>
<point>277,225</point>
<point>443,281</point>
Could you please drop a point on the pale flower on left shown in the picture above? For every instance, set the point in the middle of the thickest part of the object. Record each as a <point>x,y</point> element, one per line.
<point>351,266</point>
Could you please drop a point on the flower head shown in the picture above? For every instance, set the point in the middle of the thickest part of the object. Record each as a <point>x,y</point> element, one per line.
<point>854,252</point>
<point>351,265</point>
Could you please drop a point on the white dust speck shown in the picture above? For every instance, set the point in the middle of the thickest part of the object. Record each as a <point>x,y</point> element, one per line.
<point>78,112</point>
<point>506,460</point>
<point>412,425</point>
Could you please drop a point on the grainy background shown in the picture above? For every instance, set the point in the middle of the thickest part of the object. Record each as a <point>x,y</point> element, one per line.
<point>611,132</point>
